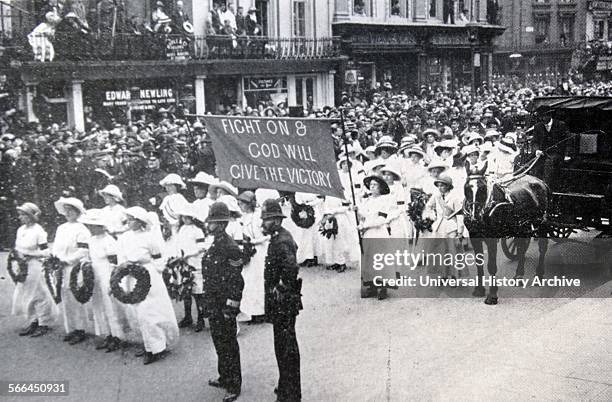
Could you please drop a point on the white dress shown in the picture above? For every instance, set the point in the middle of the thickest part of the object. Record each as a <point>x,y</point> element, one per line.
<point>155,314</point>
<point>337,250</point>
<point>202,206</point>
<point>399,223</point>
<point>253,273</point>
<point>190,240</point>
<point>169,207</point>
<point>374,212</point>
<point>308,238</point>
<point>31,298</point>
<point>70,245</point>
<point>107,312</point>
<point>115,218</point>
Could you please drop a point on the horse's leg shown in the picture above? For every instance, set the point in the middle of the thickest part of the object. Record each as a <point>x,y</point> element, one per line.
<point>479,291</point>
<point>491,298</point>
<point>543,247</point>
<point>522,246</point>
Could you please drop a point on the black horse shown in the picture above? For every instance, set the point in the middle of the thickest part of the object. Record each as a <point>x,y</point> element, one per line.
<point>513,208</point>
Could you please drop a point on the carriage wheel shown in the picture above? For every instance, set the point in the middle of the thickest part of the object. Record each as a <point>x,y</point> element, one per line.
<point>509,246</point>
<point>560,232</point>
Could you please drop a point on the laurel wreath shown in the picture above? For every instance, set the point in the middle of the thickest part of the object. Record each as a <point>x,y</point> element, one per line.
<point>301,221</point>
<point>179,278</point>
<point>22,267</point>
<point>141,288</point>
<point>83,292</point>
<point>248,249</point>
<point>329,227</point>
<point>53,269</point>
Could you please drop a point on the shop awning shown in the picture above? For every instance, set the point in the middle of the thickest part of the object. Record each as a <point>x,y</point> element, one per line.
<point>602,103</point>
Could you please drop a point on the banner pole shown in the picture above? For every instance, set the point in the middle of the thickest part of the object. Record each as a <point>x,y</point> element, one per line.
<point>348,163</point>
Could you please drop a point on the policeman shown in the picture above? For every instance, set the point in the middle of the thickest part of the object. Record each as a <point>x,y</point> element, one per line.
<point>223,284</point>
<point>282,300</point>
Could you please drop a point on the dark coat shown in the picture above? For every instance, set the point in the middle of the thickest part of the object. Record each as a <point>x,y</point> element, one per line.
<point>543,139</point>
<point>222,274</point>
<point>281,274</point>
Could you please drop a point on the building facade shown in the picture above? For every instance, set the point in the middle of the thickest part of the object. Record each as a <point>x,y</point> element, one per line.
<point>130,63</point>
<point>409,43</point>
<point>549,37</point>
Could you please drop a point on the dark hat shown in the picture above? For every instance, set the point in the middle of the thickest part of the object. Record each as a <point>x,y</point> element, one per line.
<point>384,187</point>
<point>219,212</point>
<point>271,209</point>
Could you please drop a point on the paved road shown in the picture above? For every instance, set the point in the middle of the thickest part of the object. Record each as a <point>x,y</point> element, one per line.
<point>361,349</point>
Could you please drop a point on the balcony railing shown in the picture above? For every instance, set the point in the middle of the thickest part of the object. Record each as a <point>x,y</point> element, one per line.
<point>132,47</point>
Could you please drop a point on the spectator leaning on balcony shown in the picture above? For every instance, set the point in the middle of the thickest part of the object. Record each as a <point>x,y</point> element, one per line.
<point>180,18</point>
<point>161,21</point>
<point>252,27</point>
<point>40,38</point>
<point>227,14</point>
<point>105,16</point>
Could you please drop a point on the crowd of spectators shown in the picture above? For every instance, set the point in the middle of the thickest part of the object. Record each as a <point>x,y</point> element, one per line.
<point>40,163</point>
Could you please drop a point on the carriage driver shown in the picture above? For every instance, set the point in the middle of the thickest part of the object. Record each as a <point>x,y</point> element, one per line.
<point>549,142</point>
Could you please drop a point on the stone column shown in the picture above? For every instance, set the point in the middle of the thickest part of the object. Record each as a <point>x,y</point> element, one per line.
<point>30,94</point>
<point>74,105</point>
<point>331,97</point>
<point>200,94</point>
<point>291,92</point>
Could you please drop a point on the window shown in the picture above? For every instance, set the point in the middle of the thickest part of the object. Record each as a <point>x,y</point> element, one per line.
<point>395,8</point>
<point>598,29</point>
<point>432,8</point>
<point>299,18</point>
<point>567,30</point>
<point>610,30</point>
<point>262,15</point>
<point>541,27</point>
<point>360,8</point>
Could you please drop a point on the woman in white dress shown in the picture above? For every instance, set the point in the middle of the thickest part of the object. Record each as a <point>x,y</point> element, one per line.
<point>399,224</point>
<point>253,273</point>
<point>171,203</point>
<point>71,247</point>
<point>114,212</point>
<point>190,245</point>
<point>103,256</point>
<point>337,249</point>
<point>373,214</point>
<point>448,227</point>
<point>31,299</point>
<point>155,314</point>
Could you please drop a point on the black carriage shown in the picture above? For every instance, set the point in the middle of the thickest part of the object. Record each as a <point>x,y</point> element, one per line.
<point>582,199</point>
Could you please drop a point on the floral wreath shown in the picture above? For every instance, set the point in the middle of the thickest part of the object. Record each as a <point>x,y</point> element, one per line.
<point>248,249</point>
<point>418,200</point>
<point>53,269</point>
<point>141,288</point>
<point>179,278</point>
<point>303,215</point>
<point>329,227</point>
<point>84,292</point>
<point>22,265</point>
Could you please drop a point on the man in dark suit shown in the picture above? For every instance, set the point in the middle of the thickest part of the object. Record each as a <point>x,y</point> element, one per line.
<point>550,141</point>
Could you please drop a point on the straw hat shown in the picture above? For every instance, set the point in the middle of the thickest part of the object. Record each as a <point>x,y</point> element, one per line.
<point>113,191</point>
<point>231,202</point>
<point>507,145</point>
<point>93,217</point>
<point>468,149</point>
<point>437,163</point>
<point>472,137</point>
<point>173,178</point>
<point>204,178</point>
<point>415,149</point>
<point>449,144</point>
<point>139,213</point>
<point>30,209</point>
<point>227,187</point>
<point>188,210</point>
<point>248,197</point>
<point>390,168</point>
<point>62,203</point>
<point>444,179</point>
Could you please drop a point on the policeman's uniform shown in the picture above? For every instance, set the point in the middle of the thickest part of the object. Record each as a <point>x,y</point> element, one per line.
<point>223,285</point>
<point>283,303</point>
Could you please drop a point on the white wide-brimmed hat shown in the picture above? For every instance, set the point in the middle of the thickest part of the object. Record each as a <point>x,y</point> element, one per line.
<point>140,214</point>
<point>173,178</point>
<point>113,191</point>
<point>468,149</point>
<point>30,209</point>
<point>60,205</point>
<point>231,203</point>
<point>437,163</point>
<point>188,210</point>
<point>93,217</point>
<point>227,187</point>
<point>391,168</point>
<point>204,178</point>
